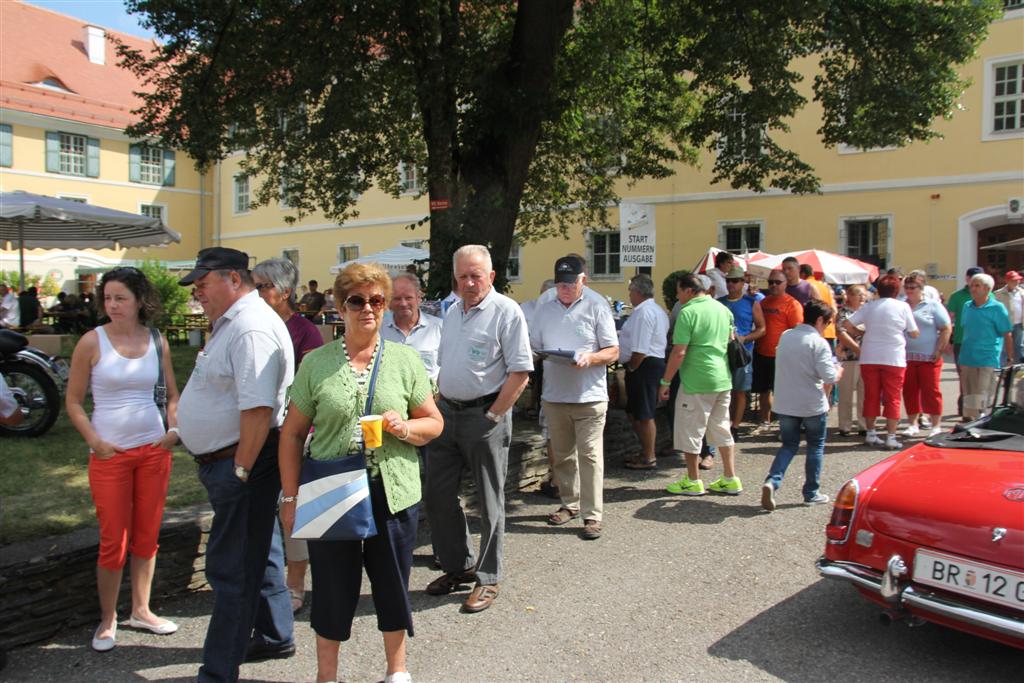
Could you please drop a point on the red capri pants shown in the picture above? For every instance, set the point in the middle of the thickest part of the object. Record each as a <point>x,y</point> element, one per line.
<point>882,384</point>
<point>921,387</point>
<point>129,491</point>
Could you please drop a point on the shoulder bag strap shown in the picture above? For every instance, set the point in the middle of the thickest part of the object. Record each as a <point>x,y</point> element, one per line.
<point>160,389</point>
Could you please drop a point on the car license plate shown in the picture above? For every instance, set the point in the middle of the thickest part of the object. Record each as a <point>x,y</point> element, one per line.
<point>962,576</point>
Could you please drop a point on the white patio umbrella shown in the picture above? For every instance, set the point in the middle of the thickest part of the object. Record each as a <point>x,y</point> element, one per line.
<point>36,221</point>
<point>395,259</point>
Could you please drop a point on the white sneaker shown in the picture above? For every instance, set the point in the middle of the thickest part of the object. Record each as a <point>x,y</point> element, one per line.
<point>925,422</point>
<point>818,499</point>
<point>398,677</point>
<point>911,430</point>
<point>934,432</point>
<point>871,439</point>
<point>891,443</point>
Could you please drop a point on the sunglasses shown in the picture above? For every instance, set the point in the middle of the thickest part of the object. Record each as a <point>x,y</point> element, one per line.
<point>264,285</point>
<point>776,282</point>
<point>357,303</point>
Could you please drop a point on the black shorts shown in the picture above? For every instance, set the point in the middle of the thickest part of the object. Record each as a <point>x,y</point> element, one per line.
<point>764,373</point>
<point>642,388</point>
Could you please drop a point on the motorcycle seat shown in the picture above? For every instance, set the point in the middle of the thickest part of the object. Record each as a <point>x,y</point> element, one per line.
<point>11,342</point>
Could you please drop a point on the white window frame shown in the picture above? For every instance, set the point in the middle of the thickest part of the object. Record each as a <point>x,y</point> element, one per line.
<point>889,218</point>
<point>236,194</point>
<point>723,140</point>
<point>70,160</point>
<point>83,198</point>
<point>1013,13</point>
<point>346,245</point>
<point>159,205</point>
<point>409,188</point>
<point>724,226</point>
<point>591,273</point>
<point>988,133</point>
<point>515,253</point>
<point>298,256</point>
<point>151,173</point>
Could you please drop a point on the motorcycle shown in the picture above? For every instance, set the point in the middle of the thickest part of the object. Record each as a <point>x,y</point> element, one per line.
<point>37,381</point>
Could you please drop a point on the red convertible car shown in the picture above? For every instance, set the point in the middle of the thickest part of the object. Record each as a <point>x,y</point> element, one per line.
<point>936,532</point>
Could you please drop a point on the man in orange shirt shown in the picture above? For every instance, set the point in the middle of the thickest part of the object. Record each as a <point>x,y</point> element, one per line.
<point>781,312</point>
<point>822,292</point>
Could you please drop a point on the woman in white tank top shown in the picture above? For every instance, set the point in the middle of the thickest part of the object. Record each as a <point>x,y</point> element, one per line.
<point>130,457</point>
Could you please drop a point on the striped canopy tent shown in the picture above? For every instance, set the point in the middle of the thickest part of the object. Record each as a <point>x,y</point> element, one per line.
<point>35,221</point>
<point>395,260</point>
<point>835,269</point>
<point>707,261</point>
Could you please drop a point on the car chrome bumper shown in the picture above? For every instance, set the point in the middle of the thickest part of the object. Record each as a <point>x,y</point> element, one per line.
<point>909,596</point>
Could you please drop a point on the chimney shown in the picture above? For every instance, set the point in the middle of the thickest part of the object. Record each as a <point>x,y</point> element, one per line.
<point>96,44</point>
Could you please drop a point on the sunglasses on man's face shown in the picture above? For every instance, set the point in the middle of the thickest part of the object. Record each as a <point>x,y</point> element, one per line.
<point>775,282</point>
<point>357,303</point>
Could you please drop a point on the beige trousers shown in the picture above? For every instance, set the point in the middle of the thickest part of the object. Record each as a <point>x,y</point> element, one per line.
<point>577,443</point>
<point>849,383</point>
<point>977,383</point>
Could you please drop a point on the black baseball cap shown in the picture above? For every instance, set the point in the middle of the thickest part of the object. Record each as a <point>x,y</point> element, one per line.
<point>974,270</point>
<point>216,258</point>
<point>567,269</point>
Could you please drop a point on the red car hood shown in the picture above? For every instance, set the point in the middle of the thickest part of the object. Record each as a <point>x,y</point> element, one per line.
<point>952,499</point>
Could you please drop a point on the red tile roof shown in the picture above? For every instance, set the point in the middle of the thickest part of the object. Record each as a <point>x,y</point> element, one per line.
<point>36,44</point>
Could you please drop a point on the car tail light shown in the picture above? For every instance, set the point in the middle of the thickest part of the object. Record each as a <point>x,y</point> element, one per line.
<point>843,511</point>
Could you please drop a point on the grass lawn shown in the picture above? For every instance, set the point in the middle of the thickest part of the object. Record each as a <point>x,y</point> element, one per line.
<point>45,484</point>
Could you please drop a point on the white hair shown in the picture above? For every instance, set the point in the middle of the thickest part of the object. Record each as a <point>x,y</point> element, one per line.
<point>985,279</point>
<point>469,250</point>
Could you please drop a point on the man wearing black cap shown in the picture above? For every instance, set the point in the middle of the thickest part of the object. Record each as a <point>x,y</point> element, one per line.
<point>228,416</point>
<point>575,392</point>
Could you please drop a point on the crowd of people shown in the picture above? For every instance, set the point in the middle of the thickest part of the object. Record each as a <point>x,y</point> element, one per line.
<point>268,395</point>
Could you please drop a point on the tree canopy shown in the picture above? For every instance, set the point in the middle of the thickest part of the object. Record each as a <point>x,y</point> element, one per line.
<point>517,111</point>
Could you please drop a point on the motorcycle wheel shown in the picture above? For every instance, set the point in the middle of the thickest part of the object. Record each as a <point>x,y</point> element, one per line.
<point>36,391</point>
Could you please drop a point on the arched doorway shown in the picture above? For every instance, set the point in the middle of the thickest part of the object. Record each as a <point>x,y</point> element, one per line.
<point>997,261</point>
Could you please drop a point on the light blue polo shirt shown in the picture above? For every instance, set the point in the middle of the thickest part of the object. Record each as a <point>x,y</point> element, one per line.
<point>984,327</point>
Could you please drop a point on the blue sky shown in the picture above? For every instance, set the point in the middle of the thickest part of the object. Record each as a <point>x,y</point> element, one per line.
<point>107,13</point>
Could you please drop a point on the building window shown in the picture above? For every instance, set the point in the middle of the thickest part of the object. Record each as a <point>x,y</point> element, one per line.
<point>867,240</point>
<point>1003,115</point>
<point>73,198</point>
<point>604,255</point>
<point>241,194</point>
<point>1008,98</point>
<point>154,211</point>
<point>347,252</point>
<point>512,271</point>
<point>741,140</point>
<point>293,256</point>
<point>414,244</point>
<point>72,154</point>
<point>409,177</point>
<point>1013,4</point>
<point>6,145</point>
<point>740,238</point>
<point>150,165</point>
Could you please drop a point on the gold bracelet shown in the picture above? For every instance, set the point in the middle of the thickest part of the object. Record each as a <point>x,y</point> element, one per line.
<point>407,430</point>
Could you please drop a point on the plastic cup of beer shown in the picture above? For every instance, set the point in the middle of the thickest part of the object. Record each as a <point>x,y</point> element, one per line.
<point>373,430</point>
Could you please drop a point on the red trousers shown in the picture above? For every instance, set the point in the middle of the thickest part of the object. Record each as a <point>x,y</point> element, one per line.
<point>882,384</point>
<point>921,391</point>
<point>129,491</point>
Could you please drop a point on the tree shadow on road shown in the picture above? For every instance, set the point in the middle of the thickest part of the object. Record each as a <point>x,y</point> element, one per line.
<point>786,641</point>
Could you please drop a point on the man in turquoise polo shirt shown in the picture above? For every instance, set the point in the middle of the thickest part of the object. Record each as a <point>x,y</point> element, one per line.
<point>699,354</point>
<point>986,328</point>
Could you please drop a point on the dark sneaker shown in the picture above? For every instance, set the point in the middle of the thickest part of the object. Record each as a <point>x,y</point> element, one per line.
<point>259,651</point>
<point>449,583</point>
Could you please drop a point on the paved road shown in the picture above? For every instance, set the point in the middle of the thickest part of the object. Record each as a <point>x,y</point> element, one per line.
<point>678,589</point>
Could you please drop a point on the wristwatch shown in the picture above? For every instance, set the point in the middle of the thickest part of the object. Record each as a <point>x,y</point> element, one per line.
<point>241,472</point>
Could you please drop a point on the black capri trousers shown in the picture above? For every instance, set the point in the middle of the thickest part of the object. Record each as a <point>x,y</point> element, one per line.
<point>337,568</point>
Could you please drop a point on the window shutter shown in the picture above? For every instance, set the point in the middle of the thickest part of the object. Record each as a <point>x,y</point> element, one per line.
<point>168,167</point>
<point>722,244</point>
<point>135,163</point>
<point>843,243</point>
<point>92,157</point>
<point>761,245</point>
<point>53,152</point>
<point>6,146</point>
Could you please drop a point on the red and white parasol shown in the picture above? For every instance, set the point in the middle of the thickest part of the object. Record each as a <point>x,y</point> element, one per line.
<point>834,269</point>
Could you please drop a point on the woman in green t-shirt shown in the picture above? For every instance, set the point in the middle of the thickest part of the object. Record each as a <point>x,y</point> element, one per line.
<point>329,394</point>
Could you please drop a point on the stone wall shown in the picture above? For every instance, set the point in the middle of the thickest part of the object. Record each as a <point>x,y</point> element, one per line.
<point>49,584</point>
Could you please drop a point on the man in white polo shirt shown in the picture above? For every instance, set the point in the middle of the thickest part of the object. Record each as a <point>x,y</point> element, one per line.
<point>575,392</point>
<point>485,364</point>
<point>228,416</point>
<point>411,326</point>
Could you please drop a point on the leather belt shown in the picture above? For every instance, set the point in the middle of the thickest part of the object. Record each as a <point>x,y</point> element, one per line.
<point>472,403</point>
<point>223,453</point>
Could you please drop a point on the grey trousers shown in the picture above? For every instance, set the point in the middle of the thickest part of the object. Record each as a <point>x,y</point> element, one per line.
<point>472,441</point>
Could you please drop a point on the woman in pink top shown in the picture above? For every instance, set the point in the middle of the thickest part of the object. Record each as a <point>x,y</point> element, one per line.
<point>129,446</point>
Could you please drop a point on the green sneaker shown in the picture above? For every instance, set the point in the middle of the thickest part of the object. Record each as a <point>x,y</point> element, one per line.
<point>687,487</point>
<point>728,485</point>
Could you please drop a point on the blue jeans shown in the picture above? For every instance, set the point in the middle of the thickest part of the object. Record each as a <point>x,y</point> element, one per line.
<point>789,428</point>
<point>244,564</point>
<point>1016,354</point>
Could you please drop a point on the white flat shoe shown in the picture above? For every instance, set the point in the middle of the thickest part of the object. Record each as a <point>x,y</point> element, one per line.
<point>104,644</point>
<point>164,629</point>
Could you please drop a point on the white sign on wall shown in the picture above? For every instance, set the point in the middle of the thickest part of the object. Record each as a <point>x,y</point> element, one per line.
<point>637,234</point>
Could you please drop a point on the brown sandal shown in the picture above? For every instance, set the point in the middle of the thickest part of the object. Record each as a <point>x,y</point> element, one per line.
<point>562,515</point>
<point>641,464</point>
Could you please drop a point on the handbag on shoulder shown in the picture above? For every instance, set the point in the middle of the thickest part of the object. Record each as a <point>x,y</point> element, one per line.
<point>739,357</point>
<point>334,503</point>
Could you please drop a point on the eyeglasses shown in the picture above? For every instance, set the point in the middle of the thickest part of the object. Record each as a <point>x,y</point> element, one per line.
<point>734,279</point>
<point>357,303</point>
<point>260,286</point>
<point>776,282</point>
<point>911,287</point>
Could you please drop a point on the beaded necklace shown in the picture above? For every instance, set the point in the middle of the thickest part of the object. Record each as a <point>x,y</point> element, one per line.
<point>361,378</point>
